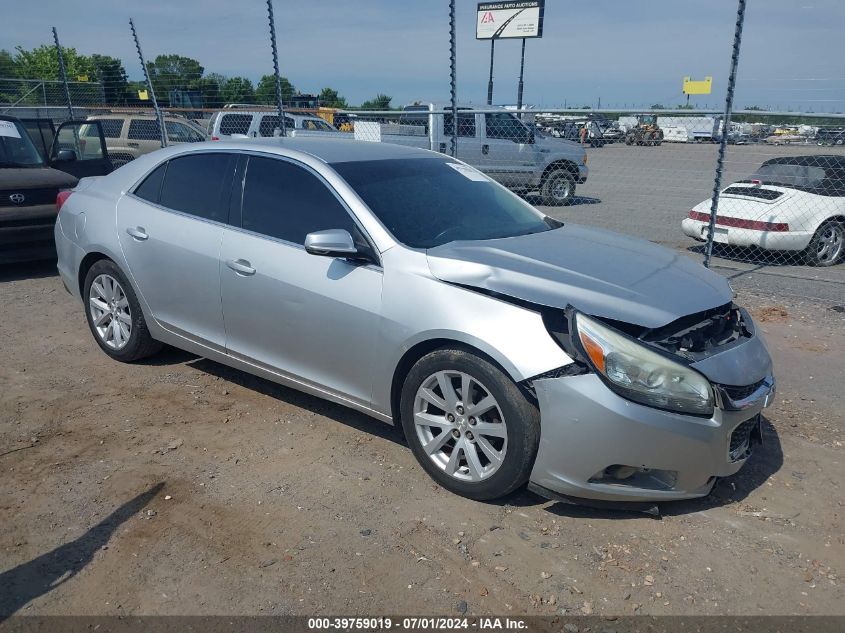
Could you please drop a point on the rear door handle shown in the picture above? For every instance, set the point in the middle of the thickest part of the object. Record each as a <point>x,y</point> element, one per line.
<point>133,144</point>
<point>138,233</point>
<point>485,149</point>
<point>240,266</point>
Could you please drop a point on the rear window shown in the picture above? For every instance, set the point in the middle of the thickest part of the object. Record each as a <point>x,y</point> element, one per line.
<point>195,183</point>
<point>235,123</point>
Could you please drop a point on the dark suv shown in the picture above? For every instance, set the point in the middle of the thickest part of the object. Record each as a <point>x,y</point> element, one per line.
<point>29,183</point>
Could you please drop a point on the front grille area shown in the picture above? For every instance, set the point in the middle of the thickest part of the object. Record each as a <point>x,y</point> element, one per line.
<point>32,197</point>
<point>740,446</point>
<point>741,393</point>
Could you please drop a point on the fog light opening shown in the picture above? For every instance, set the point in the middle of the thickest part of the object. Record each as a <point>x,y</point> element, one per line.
<point>636,477</point>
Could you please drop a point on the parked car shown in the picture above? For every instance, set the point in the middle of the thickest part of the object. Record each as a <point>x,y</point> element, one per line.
<point>497,143</point>
<point>129,136</point>
<point>508,346</point>
<point>789,204</point>
<point>31,178</point>
<point>236,122</point>
<point>830,136</point>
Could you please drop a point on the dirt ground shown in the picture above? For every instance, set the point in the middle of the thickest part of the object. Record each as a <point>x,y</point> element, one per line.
<point>179,486</point>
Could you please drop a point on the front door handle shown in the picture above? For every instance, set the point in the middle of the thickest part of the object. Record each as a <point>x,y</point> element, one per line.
<point>240,266</point>
<point>485,149</point>
<point>138,233</point>
<point>133,144</point>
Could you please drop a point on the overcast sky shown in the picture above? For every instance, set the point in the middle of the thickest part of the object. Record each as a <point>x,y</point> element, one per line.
<point>626,52</point>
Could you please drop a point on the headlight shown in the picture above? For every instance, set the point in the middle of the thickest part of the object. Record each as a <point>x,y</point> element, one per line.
<point>639,374</point>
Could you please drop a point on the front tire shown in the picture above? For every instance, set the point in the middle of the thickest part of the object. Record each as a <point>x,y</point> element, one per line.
<point>558,188</point>
<point>469,425</point>
<point>114,314</point>
<point>827,246</point>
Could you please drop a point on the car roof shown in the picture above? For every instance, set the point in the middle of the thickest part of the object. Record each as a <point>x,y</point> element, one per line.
<point>812,160</point>
<point>327,150</point>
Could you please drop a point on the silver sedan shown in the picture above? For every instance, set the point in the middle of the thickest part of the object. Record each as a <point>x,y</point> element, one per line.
<point>507,346</point>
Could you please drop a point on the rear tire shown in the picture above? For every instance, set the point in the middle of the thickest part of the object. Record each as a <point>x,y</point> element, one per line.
<point>114,314</point>
<point>558,188</point>
<point>459,455</point>
<point>827,246</point>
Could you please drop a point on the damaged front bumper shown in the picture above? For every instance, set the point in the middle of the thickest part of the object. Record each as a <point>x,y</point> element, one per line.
<point>596,445</point>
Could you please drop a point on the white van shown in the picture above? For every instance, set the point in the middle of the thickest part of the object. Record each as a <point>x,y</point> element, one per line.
<point>252,123</point>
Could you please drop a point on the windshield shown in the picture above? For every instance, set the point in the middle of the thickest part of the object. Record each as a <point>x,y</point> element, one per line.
<point>426,202</point>
<point>16,148</point>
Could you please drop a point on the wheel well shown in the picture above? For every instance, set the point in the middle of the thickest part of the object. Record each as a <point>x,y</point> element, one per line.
<point>85,265</point>
<point>410,358</point>
<point>568,165</point>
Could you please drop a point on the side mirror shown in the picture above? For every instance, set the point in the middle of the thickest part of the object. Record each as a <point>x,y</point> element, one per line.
<point>65,155</point>
<point>331,243</point>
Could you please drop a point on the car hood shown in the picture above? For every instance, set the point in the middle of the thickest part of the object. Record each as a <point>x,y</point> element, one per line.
<point>597,272</point>
<point>12,178</point>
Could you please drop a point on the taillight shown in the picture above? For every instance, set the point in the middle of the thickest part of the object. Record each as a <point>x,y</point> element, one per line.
<point>739,223</point>
<point>215,138</point>
<point>61,198</point>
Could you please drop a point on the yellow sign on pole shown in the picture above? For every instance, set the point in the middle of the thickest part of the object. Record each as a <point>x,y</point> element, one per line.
<point>697,87</point>
<point>143,95</point>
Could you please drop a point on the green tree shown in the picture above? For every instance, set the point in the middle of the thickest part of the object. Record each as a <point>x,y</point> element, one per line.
<point>110,73</point>
<point>265,92</point>
<point>380,102</point>
<point>657,106</point>
<point>174,72</point>
<point>210,87</point>
<point>43,63</point>
<point>8,69</point>
<point>237,90</point>
<point>331,99</point>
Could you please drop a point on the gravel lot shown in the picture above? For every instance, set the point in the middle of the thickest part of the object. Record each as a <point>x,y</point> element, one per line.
<point>179,486</point>
<point>647,191</point>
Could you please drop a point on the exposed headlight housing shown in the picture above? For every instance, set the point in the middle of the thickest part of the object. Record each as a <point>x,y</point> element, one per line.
<point>640,374</point>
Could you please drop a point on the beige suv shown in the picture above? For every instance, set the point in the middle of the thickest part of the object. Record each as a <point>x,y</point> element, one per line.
<point>129,136</point>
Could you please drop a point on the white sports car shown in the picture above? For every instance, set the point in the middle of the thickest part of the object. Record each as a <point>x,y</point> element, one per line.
<point>788,204</point>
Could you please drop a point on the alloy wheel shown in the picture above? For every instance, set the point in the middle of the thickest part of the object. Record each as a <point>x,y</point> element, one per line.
<point>460,425</point>
<point>830,243</point>
<point>110,313</point>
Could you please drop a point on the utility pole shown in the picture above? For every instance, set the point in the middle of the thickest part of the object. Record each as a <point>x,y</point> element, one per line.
<point>63,73</point>
<point>521,73</point>
<point>279,104</point>
<point>490,81</point>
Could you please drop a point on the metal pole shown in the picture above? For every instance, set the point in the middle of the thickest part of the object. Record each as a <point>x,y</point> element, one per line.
<point>490,81</point>
<point>63,73</point>
<point>279,104</point>
<point>723,141</point>
<point>453,77</point>
<point>159,117</point>
<point>521,73</point>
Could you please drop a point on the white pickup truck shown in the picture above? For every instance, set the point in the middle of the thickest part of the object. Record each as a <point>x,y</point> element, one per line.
<point>496,142</point>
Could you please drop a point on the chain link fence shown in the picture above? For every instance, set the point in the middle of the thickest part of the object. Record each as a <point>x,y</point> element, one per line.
<point>646,172</point>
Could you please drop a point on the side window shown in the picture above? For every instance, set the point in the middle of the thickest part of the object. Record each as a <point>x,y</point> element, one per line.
<point>111,127</point>
<point>181,133</point>
<point>194,184</point>
<point>143,130</point>
<point>287,202</point>
<point>235,123</point>
<point>269,122</point>
<point>501,125</point>
<point>466,125</point>
<point>150,188</point>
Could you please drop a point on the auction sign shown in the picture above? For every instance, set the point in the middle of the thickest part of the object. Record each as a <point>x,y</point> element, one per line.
<point>501,20</point>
